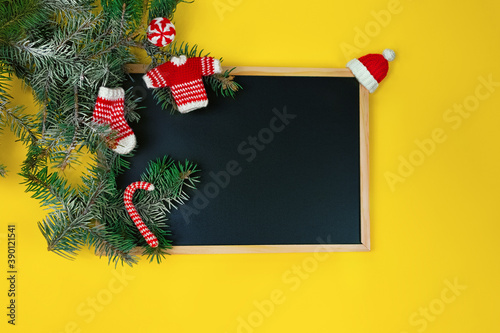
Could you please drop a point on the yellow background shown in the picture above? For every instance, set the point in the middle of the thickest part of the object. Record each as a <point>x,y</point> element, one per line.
<point>435,251</point>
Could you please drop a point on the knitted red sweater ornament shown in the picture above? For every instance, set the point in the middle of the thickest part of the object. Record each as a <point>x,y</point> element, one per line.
<point>129,206</point>
<point>184,77</point>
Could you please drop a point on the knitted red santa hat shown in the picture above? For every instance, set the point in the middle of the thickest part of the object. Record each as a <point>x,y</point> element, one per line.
<point>371,69</point>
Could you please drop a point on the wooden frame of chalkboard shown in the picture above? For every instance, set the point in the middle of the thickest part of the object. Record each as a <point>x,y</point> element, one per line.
<point>364,215</point>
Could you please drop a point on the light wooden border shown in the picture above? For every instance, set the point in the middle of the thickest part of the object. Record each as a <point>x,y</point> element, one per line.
<point>364,170</point>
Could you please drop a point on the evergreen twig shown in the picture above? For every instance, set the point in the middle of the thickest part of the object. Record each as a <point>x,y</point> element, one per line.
<point>74,142</point>
<point>64,50</point>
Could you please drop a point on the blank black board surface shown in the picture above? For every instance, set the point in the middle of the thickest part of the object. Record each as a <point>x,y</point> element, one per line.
<point>283,165</point>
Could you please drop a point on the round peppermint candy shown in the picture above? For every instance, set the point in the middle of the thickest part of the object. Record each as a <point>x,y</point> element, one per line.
<point>161,31</point>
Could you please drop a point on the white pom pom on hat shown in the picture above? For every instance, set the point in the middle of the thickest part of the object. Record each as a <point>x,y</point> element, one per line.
<point>372,68</point>
<point>389,54</point>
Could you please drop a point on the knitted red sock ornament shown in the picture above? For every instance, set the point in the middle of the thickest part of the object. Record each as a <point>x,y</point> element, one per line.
<point>109,110</point>
<point>129,206</point>
<point>184,77</point>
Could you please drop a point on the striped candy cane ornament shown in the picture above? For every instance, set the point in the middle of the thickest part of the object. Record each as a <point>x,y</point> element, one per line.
<point>129,206</point>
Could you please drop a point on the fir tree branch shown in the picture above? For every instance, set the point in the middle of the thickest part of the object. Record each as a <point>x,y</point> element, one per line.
<point>97,238</point>
<point>67,215</point>
<point>44,103</point>
<point>96,191</point>
<point>21,125</point>
<point>223,83</point>
<point>122,21</point>
<point>74,142</point>
<point>85,25</point>
<point>49,187</point>
<point>64,234</point>
<point>5,72</point>
<point>22,16</point>
<point>163,8</point>
<point>69,7</point>
<point>64,50</point>
<point>37,55</point>
<point>123,42</point>
<point>53,226</point>
<point>59,227</point>
<point>102,35</point>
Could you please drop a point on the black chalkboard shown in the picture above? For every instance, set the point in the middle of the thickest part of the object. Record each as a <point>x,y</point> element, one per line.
<point>281,164</point>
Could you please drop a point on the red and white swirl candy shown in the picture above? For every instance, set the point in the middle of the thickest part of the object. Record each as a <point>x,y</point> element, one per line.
<point>161,31</point>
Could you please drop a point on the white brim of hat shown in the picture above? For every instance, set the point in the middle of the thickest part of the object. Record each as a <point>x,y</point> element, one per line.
<point>363,75</point>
